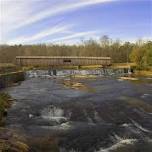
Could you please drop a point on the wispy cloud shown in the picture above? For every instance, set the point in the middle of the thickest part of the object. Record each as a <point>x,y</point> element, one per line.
<point>28,21</point>
<point>61,7</point>
<point>11,14</point>
<point>18,14</point>
<point>38,36</point>
<point>80,35</point>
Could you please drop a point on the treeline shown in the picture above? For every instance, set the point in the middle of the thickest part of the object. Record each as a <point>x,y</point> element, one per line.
<point>139,52</point>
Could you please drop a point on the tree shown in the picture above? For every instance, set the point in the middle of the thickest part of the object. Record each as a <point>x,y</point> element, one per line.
<point>149,53</point>
<point>138,56</point>
<point>105,41</point>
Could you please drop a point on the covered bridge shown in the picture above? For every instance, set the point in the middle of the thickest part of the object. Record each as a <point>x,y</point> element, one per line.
<point>46,61</point>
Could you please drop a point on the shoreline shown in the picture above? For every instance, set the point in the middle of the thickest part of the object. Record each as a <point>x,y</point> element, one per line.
<point>144,73</point>
<point>9,139</point>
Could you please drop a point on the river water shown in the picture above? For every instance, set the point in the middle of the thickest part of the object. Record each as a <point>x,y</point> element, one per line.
<point>83,111</point>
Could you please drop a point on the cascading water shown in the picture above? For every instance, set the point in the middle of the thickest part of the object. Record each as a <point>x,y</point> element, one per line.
<point>63,73</point>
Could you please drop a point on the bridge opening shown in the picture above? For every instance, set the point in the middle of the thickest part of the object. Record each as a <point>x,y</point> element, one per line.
<point>67,61</point>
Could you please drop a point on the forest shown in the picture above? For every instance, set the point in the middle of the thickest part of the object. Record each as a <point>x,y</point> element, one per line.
<point>139,52</point>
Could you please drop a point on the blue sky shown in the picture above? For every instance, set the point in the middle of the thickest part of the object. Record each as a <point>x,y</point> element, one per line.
<point>70,21</point>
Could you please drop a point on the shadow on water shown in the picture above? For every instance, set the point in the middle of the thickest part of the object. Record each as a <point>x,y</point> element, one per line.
<point>83,114</point>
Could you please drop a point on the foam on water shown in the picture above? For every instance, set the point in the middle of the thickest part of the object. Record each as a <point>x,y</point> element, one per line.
<point>120,143</point>
<point>53,113</point>
<point>63,73</point>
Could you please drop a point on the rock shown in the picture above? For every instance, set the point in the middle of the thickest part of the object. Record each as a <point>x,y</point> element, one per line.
<point>10,141</point>
<point>30,115</point>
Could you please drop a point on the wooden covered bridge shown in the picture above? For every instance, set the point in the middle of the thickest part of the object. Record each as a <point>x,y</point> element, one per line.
<point>47,61</point>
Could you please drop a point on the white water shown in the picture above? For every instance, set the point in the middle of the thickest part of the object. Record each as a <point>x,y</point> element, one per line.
<point>121,143</point>
<point>62,73</point>
<point>53,113</point>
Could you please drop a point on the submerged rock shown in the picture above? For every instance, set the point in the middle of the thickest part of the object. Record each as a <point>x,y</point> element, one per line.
<point>54,114</point>
<point>11,142</point>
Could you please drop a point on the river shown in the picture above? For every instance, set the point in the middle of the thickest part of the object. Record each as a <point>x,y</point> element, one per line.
<point>93,113</point>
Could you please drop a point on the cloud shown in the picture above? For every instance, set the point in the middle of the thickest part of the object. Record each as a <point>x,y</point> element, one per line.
<point>12,13</point>
<point>38,36</point>
<point>60,7</point>
<point>80,35</point>
<point>21,18</point>
<point>18,14</point>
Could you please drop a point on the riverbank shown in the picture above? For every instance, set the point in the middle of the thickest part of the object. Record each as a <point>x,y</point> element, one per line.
<point>9,140</point>
<point>144,73</point>
<point>9,75</point>
<point>5,103</point>
<point>8,79</point>
<point>7,67</point>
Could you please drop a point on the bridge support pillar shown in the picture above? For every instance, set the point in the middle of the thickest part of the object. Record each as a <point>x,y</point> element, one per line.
<point>52,71</point>
<point>79,67</point>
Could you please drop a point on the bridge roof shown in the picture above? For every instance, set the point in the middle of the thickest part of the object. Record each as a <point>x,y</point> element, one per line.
<point>62,57</point>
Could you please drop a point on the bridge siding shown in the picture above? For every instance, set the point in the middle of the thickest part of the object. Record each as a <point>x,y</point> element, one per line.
<point>59,61</point>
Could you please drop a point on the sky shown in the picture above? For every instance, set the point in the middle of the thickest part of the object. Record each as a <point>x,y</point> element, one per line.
<point>71,21</point>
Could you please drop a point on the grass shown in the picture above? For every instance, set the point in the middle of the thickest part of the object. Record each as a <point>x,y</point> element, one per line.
<point>91,67</point>
<point>11,142</point>
<point>123,65</point>
<point>7,67</point>
<point>146,73</point>
<point>10,73</point>
<point>4,104</point>
<point>69,67</point>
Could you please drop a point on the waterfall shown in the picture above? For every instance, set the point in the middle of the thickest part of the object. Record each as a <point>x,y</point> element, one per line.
<point>60,73</point>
